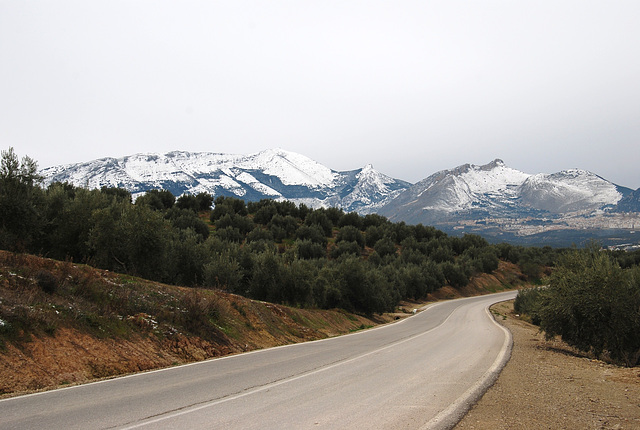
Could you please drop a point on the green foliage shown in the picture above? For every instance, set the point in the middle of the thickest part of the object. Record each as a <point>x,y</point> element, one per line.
<point>593,304</point>
<point>223,271</point>
<point>307,250</point>
<point>184,219</point>
<point>320,218</point>
<point>20,202</point>
<point>350,233</point>
<point>267,250</point>
<point>203,201</point>
<point>157,199</point>
<point>384,247</point>
<point>314,233</point>
<point>346,248</point>
<point>352,219</point>
<point>528,302</point>
<point>454,274</point>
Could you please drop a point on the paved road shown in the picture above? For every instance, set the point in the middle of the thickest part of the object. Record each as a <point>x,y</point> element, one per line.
<point>402,375</point>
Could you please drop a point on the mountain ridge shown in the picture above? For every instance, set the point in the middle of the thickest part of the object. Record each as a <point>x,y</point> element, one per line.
<point>273,173</point>
<point>493,200</point>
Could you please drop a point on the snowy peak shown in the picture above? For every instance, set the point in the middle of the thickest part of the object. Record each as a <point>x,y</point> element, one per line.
<point>273,173</point>
<point>496,190</point>
<point>569,191</point>
<point>290,168</point>
<point>492,177</point>
<point>372,189</point>
<point>468,185</point>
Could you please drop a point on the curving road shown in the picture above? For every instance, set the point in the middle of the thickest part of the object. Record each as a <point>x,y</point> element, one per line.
<point>421,372</point>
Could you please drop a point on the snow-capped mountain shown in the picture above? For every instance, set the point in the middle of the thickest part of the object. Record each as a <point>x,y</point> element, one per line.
<point>569,191</point>
<point>497,191</point>
<point>273,173</point>
<point>493,200</point>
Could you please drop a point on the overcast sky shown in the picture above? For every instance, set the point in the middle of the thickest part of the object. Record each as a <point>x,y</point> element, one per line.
<point>412,87</point>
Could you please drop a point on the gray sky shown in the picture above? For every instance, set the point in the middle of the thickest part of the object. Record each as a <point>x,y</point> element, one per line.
<point>412,87</point>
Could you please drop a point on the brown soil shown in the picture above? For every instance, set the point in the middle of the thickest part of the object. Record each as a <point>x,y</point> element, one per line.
<point>548,385</point>
<point>73,357</point>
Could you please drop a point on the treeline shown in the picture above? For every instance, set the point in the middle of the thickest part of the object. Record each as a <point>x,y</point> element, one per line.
<point>267,250</point>
<point>592,301</point>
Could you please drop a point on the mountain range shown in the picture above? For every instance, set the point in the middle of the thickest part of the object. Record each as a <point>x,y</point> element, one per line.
<point>495,190</point>
<point>493,199</point>
<point>273,174</point>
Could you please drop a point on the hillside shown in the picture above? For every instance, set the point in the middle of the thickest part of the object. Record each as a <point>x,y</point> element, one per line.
<point>62,323</point>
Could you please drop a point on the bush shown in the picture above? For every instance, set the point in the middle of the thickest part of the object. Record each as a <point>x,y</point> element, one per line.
<point>350,233</point>
<point>310,250</point>
<point>528,302</point>
<point>47,281</point>
<point>594,305</point>
<point>199,313</point>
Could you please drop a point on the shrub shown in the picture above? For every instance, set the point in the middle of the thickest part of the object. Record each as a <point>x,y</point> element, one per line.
<point>594,305</point>
<point>199,312</point>
<point>528,302</point>
<point>310,250</point>
<point>46,281</point>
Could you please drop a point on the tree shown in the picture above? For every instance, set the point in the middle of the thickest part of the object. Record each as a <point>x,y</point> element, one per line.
<point>351,218</point>
<point>454,274</point>
<point>132,239</point>
<point>204,201</point>
<point>157,199</point>
<point>223,271</point>
<point>307,250</point>
<point>68,219</point>
<point>20,200</point>
<point>313,233</point>
<point>385,246</point>
<point>319,217</point>
<point>594,305</point>
<point>184,219</point>
<point>187,201</point>
<point>349,233</point>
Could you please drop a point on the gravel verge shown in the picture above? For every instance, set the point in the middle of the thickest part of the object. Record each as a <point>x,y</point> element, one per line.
<point>548,385</point>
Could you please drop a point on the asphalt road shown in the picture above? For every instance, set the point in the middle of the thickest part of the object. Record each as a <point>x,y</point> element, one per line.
<point>420,372</point>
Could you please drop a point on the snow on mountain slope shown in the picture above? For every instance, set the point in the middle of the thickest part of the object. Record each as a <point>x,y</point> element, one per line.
<point>464,187</point>
<point>371,190</point>
<point>466,192</point>
<point>495,190</point>
<point>273,173</point>
<point>568,191</point>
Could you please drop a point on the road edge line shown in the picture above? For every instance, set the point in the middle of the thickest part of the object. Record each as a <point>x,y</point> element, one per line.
<point>449,417</point>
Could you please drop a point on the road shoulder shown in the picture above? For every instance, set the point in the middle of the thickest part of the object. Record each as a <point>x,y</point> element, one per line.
<point>546,384</point>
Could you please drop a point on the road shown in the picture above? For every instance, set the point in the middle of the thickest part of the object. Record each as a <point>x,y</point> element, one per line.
<point>401,375</point>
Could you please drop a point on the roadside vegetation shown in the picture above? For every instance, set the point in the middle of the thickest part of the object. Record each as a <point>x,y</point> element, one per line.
<point>592,301</point>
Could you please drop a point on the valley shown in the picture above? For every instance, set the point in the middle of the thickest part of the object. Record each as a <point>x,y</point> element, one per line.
<point>611,229</point>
